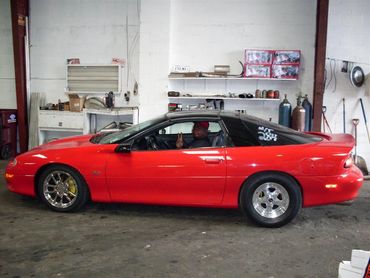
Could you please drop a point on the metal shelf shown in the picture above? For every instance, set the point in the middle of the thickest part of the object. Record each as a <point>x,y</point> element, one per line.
<point>112,112</point>
<point>231,78</point>
<point>226,98</point>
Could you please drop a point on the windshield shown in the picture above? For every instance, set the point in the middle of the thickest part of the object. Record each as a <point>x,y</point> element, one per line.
<point>119,136</point>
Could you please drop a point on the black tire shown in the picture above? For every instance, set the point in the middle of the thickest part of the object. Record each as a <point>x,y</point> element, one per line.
<point>5,152</point>
<point>270,209</point>
<point>69,194</point>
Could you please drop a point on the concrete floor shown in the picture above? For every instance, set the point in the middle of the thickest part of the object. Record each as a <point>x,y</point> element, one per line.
<point>110,240</point>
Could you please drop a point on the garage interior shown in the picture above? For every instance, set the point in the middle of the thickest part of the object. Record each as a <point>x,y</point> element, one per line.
<point>59,61</point>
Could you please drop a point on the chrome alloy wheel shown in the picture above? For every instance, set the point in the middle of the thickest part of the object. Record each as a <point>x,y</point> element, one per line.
<point>270,200</point>
<point>60,189</point>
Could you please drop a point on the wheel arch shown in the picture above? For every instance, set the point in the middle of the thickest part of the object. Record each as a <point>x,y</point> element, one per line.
<point>46,166</point>
<point>257,174</point>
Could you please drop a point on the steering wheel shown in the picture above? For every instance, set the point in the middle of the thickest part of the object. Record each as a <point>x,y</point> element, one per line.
<point>152,143</point>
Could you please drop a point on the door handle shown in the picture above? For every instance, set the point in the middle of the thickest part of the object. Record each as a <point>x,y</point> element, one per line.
<point>213,160</point>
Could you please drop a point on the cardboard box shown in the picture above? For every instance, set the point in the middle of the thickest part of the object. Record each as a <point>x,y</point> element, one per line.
<point>76,103</point>
<point>347,271</point>
<point>360,258</point>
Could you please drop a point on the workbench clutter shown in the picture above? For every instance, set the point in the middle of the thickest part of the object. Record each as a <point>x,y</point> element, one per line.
<point>219,71</point>
<point>215,101</point>
<point>257,94</point>
<point>207,104</point>
<point>278,64</point>
<point>76,103</point>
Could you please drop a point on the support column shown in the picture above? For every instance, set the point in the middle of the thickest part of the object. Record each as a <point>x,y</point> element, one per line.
<point>320,55</point>
<point>19,11</point>
<point>154,57</point>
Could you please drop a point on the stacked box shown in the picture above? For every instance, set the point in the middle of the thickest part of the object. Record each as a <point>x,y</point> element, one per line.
<point>279,64</point>
<point>258,63</point>
<point>286,64</point>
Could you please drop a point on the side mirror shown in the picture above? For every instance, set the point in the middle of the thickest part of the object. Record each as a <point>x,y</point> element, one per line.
<point>123,148</point>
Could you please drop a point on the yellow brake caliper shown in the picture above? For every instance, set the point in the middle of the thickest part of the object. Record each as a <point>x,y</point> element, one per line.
<point>72,186</point>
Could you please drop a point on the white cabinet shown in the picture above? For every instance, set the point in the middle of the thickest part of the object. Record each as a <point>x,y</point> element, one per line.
<point>56,124</point>
<point>94,78</point>
<point>61,120</point>
<point>91,116</point>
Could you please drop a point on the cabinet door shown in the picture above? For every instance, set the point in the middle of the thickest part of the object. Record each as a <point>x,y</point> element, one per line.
<point>60,120</point>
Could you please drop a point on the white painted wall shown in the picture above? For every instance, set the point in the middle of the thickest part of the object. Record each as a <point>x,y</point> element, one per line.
<point>210,32</point>
<point>154,57</point>
<point>7,75</point>
<point>92,30</point>
<point>348,39</point>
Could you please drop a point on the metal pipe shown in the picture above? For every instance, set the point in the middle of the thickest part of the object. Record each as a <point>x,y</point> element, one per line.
<point>355,124</point>
<point>363,113</point>
<point>344,115</point>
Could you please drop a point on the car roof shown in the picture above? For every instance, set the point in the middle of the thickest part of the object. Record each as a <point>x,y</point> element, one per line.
<point>200,114</point>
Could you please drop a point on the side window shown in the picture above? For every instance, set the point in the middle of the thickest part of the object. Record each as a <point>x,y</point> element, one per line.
<point>165,138</point>
<point>238,133</point>
<point>184,128</point>
<point>214,127</point>
<point>187,128</point>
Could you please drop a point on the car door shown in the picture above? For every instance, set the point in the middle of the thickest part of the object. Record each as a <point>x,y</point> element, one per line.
<point>168,176</point>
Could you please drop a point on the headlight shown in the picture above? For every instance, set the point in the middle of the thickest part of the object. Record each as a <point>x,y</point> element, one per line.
<point>348,163</point>
<point>13,162</point>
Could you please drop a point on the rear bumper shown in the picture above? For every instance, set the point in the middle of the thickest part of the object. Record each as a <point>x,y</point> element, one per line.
<point>323,190</point>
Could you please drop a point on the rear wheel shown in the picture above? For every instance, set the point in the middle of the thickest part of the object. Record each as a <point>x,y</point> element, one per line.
<point>271,199</point>
<point>62,188</point>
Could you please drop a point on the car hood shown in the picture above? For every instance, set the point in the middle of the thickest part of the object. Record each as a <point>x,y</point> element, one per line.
<point>66,143</point>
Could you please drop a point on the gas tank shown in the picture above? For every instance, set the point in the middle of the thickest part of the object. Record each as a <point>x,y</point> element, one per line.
<point>285,112</point>
<point>308,117</point>
<point>298,116</point>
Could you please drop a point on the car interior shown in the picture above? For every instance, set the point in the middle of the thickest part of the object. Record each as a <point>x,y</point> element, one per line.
<point>165,138</point>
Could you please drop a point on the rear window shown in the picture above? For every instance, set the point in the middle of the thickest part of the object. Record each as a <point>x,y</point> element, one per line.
<point>271,134</point>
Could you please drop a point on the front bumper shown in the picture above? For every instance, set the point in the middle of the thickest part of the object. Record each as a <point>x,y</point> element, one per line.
<point>19,183</point>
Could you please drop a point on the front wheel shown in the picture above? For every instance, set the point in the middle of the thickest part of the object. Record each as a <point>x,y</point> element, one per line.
<point>62,188</point>
<point>271,199</point>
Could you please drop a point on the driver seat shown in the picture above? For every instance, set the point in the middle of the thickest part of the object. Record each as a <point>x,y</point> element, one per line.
<point>219,139</point>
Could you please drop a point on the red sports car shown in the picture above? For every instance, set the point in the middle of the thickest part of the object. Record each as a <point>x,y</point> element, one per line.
<point>267,170</point>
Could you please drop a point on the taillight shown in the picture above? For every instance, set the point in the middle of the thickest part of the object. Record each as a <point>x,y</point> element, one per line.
<point>348,163</point>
